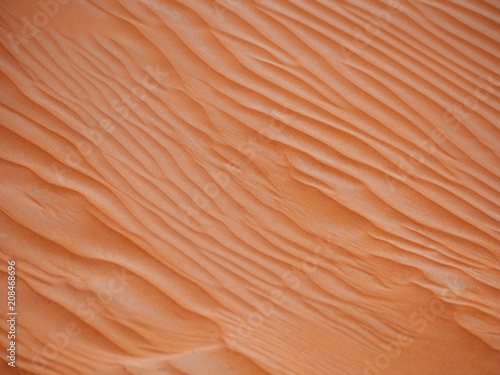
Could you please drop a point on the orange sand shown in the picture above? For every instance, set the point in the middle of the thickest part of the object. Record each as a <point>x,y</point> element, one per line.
<point>303,187</point>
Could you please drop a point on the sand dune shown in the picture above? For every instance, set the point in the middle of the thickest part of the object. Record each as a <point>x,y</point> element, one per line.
<point>201,187</point>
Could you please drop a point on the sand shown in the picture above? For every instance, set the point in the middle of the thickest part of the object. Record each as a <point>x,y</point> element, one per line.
<point>301,187</point>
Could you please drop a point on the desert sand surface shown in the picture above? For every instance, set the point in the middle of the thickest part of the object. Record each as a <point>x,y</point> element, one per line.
<point>247,187</point>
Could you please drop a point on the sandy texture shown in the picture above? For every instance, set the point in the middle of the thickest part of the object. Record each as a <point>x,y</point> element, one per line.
<point>302,187</point>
